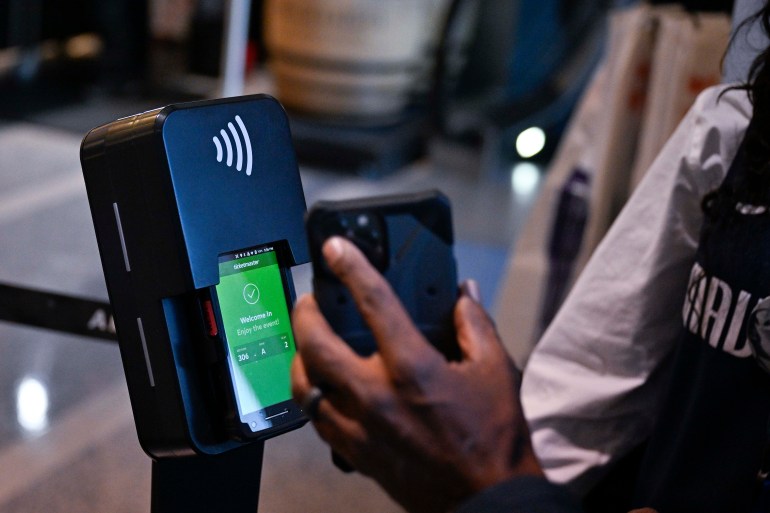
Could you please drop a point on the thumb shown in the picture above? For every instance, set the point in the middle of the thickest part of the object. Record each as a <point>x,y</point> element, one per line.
<point>471,289</point>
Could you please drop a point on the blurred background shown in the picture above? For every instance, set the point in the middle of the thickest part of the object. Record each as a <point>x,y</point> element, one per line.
<point>479,98</point>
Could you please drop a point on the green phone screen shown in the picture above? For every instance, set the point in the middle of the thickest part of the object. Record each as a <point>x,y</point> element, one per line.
<point>255,316</point>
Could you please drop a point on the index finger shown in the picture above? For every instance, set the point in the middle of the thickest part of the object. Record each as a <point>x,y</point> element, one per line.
<point>399,341</point>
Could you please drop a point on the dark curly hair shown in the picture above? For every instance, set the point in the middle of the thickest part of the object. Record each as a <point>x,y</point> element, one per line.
<point>757,145</point>
<point>754,188</point>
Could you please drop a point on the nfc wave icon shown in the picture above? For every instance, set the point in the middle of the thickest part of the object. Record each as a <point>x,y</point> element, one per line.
<point>233,138</point>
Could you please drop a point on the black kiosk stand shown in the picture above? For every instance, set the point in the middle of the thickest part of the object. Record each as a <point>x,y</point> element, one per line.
<point>171,191</point>
<point>227,483</point>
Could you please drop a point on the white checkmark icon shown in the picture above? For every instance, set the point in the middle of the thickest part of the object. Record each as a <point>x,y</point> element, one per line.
<point>251,293</point>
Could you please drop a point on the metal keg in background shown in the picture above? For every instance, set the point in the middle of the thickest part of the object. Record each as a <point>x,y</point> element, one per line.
<point>359,60</point>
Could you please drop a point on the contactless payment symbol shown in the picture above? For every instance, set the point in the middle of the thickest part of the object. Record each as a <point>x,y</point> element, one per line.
<point>233,138</point>
<point>251,294</point>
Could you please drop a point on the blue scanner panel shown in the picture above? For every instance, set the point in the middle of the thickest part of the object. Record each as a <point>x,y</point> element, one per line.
<point>234,174</point>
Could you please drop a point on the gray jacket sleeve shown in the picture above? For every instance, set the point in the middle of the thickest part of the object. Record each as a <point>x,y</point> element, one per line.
<point>593,381</point>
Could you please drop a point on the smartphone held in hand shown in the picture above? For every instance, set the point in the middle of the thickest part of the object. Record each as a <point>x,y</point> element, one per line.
<point>409,239</point>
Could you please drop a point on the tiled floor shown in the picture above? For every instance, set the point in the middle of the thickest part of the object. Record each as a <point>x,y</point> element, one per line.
<point>78,451</point>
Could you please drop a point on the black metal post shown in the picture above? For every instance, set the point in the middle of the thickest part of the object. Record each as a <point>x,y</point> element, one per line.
<point>227,483</point>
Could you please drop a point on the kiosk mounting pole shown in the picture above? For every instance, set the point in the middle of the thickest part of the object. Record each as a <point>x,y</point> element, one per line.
<point>228,482</point>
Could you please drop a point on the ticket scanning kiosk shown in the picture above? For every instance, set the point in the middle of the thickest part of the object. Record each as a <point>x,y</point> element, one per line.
<point>174,193</point>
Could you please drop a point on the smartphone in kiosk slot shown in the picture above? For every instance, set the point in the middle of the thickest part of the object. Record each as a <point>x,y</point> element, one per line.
<point>249,315</point>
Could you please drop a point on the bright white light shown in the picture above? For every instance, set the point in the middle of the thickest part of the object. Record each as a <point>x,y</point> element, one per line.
<point>32,405</point>
<point>530,142</point>
<point>525,178</point>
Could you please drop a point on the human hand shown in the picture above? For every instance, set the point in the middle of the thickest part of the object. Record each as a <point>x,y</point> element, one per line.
<point>431,432</point>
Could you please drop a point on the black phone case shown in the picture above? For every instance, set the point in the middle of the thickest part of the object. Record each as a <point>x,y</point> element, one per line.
<point>415,255</point>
